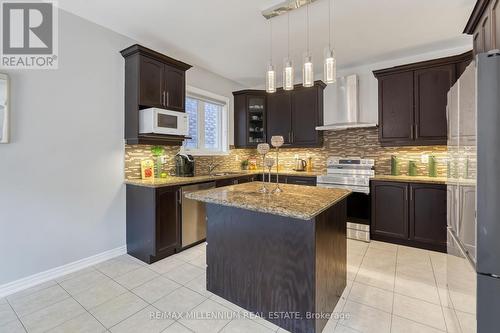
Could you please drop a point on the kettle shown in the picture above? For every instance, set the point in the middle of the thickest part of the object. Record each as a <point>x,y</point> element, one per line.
<point>300,165</point>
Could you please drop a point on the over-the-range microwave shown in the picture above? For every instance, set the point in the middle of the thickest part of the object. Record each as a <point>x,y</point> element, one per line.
<point>160,121</point>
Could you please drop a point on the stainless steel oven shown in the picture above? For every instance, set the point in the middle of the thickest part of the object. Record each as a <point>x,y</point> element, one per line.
<point>353,174</point>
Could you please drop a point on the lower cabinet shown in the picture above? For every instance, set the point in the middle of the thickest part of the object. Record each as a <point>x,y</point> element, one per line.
<point>153,222</point>
<point>412,214</point>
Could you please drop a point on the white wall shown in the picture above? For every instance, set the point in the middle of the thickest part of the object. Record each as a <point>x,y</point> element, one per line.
<point>62,196</point>
<point>368,84</point>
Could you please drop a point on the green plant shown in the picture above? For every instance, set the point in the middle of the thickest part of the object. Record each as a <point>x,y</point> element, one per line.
<point>157,150</point>
<point>244,163</point>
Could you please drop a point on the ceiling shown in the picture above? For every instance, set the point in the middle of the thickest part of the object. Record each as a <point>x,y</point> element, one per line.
<point>231,38</point>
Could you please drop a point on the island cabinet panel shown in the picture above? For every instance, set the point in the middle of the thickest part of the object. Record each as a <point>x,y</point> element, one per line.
<point>412,214</point>
<point>390,209</point>
<point>153,222</point>
<point>431,88</point>
<point>279,267</point>
<point>412,100</point>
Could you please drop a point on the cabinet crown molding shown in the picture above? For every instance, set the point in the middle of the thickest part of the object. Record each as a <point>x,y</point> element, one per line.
<point>136,48</point>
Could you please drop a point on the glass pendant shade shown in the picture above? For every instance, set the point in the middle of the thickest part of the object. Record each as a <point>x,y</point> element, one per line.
<point>330,71</point>
<point>270,79</point>
<point>288,75</point>
<point>307,72</point>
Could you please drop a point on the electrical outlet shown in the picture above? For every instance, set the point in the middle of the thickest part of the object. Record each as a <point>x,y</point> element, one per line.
<point>296,156</point>
<point>237,157</point>
<point>163,159</point>
<point>424,158</point>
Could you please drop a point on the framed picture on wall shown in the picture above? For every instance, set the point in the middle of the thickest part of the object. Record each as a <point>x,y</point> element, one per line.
<point>4,108</point>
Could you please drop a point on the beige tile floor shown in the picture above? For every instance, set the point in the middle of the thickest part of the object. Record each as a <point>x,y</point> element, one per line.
<point>390,289</point>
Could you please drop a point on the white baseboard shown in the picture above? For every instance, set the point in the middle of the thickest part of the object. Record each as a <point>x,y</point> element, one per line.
<point>51,274</point>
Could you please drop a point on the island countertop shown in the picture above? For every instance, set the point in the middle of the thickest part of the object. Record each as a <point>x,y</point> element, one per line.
<point>296,201</point>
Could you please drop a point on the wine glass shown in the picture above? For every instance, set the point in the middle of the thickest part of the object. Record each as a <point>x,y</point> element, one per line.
<point>263,149</point>
<point>277,141</point>
<point>269,164</point>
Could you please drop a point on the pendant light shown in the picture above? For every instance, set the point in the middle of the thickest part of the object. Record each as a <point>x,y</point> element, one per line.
<point>287,65</point>
<point>271,74</point>
<point>330,70</point>
<point>307,67</point>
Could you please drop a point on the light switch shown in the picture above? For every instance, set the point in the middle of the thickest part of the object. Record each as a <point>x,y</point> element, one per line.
<point>424,158</point>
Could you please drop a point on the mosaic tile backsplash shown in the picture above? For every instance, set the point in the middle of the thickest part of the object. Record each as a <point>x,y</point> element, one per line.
<point>362,142</point>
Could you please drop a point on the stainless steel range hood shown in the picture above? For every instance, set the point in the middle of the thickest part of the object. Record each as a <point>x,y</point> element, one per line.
<point>347,105</point>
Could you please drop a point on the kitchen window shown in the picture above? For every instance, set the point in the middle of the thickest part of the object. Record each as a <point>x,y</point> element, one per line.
<point>208,123</point>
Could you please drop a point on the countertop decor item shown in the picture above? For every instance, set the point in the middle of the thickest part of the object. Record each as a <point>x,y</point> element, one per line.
<point>263,149</point>
<point>309,164</point>
<point>244,164</point>
<point>147,169</point>
<point>412,168</point>
<point>157,152</point>
<point>277,141</point>
<point>394,165</point>
<point>269,162</point>
<point>432,166</point>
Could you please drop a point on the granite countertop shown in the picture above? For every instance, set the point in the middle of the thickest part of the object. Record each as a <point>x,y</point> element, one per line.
<point>296,201</point>
<point>411,179</point>
<point>173,180</point>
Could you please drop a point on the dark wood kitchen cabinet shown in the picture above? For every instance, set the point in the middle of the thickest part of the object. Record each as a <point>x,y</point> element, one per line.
<point>279,119</point>
<point>390,210</point>
<point>292,114</point>
<point>152,80</point>
<point>431,89</point>
<point>153,222</point>
<point>250,109</point>
<point>412,214</point>
<point>484,26</point>
<point>412,100</point>
<point>307,113</point>
<point>428,214</point>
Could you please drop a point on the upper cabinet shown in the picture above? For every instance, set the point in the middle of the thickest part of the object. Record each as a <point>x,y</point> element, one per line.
<point>151,80</point>
<point>292,114</point>
<point>412,100</point>
<point>484,26</point>
<point>250,108</point>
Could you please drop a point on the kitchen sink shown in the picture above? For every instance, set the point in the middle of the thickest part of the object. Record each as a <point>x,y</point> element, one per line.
<point>228,173</point>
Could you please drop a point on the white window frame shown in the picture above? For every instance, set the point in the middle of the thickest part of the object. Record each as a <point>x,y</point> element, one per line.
<point>197,93</point>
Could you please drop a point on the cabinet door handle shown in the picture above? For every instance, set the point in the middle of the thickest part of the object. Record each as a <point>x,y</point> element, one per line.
<point>163,98</point>
<point>406,195</point>
<point>289,137</point>
<point>292,137</point>
<point>411,194</point>
<point>411,131</point>
<point>416,131</point>
<point>168,99</point>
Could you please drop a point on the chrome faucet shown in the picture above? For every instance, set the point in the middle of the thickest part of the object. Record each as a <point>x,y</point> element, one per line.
<point>211,167</point>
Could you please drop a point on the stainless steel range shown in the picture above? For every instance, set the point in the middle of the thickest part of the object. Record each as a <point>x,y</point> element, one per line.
<point>353,174</point>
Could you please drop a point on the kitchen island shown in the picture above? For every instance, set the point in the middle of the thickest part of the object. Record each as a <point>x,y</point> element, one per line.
<point>281,256</point>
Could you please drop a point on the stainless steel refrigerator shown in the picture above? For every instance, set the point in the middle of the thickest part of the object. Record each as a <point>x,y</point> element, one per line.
<point>473,261</point>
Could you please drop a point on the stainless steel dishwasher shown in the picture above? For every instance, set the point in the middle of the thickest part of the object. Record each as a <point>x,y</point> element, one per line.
<point>194,225</point>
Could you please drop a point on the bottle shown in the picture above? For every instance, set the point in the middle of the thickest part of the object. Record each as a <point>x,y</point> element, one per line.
<point>309,164</point>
